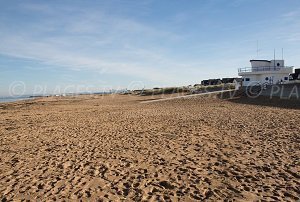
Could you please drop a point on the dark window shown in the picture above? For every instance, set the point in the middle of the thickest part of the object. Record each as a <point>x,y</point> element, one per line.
<point>247,79</point>
<point>267,78</point>
<point>278,64</point>
<point>286,78</point>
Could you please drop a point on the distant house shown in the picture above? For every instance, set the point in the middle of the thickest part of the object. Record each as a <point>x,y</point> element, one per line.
<point>295,76</point>
<point>227,80</point>
<point>238,82</point>
<point>204,83</point>
<point>211,82</point>
<point>136,92</point>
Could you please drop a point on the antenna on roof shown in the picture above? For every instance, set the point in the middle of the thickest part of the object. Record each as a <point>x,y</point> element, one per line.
<point>257,48</point>
<point>274,56</point>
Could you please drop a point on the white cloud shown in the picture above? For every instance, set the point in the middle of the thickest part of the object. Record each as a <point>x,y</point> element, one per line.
<point>95,39</point>
<point>90,40</point>
<point>291,14</point>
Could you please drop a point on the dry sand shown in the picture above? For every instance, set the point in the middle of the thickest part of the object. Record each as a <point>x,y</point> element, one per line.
<point>116,148</point>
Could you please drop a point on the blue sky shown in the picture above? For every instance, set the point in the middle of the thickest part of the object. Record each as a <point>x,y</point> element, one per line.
<point>97,45</point>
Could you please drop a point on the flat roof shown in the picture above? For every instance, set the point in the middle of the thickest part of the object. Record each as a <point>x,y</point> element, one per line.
<point>260,60</point>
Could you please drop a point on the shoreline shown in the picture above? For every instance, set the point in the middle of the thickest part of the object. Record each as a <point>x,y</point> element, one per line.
<point>13,100</point>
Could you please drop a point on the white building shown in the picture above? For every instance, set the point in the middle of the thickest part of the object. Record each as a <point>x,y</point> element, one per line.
<point>265,72</point>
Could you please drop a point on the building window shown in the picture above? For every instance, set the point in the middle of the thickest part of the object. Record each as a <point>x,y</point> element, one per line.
<point>247,79</point>
<point>278,64</point>
<point>286,78</point>
<point>267,78</point>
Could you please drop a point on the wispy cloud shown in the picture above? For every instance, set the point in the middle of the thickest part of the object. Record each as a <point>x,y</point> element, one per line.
<point>291,14</point>
<point>150,41</point>
<point>91,40</point>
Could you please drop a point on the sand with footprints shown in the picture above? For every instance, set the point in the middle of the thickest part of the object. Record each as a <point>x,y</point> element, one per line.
<point>115,148</point>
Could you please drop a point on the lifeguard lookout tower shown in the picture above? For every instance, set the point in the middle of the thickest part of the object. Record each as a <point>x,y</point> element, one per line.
<point>267,72</point>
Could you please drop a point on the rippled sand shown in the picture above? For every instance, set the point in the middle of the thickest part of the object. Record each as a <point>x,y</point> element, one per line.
<point>117,148</point>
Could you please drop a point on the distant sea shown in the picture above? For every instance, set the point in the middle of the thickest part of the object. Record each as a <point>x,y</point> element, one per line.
<point>14,99</point>
<point>28,97</point>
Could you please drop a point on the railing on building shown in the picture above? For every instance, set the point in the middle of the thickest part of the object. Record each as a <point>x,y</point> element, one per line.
<point>261,69</point>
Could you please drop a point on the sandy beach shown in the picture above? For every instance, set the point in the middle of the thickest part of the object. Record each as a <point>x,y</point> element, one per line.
<point>115,148</point>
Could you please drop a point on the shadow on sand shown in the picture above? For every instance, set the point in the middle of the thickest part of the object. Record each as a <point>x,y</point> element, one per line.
<point>292,103</point>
